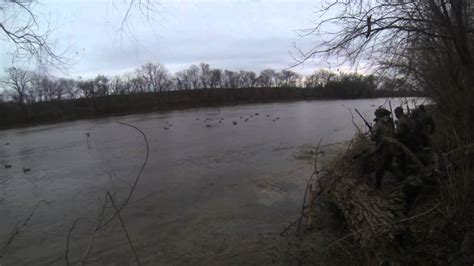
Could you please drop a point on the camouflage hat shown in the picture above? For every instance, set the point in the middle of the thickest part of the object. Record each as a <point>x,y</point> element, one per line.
<point>381,112</point>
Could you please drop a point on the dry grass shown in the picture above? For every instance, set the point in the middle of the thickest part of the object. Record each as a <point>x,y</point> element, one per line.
<point>378,231</point>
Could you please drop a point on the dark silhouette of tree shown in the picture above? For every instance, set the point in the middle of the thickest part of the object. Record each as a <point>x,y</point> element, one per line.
<point>268,78</point>
<point>426,44</point>
<point>30,33</point>
<point>67,88</point>
<point>155,77</point>
<point>216,78</point>
<point>319,78</point>
<point>18,80</point>
<point>206,75</point>
<point>247,79</point>
<point>20,25</point>
<point>230,79</point>
<point>288,78</point>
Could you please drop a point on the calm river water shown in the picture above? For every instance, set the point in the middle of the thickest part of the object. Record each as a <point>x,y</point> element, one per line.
<point>211,193</point>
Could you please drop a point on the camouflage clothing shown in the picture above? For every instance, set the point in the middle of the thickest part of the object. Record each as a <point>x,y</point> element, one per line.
<point>405,133</point>
<point>425,126</point>
<point>427,123</point>
<point>404,130</point>
<point>383,127</point>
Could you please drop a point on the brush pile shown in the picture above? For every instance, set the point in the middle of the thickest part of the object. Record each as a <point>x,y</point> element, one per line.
<point>379,230</point>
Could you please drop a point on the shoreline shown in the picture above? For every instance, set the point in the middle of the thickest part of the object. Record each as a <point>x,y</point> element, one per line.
<point>180,108</point>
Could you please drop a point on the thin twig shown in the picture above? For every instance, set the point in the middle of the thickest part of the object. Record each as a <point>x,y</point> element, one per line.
<point>69,237</point>
<point>124,228</point>
<point>101,224</point>
<point>308,184</point>
<point>138,175</point>
<point>16,231</point>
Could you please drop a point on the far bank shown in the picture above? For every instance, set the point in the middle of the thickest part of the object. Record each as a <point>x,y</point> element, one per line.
<point>15,115</point>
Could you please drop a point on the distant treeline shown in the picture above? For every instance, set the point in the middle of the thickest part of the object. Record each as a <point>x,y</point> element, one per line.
<point>35,98</point>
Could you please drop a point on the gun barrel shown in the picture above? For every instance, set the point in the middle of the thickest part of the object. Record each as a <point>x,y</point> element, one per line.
<point>365,121</point>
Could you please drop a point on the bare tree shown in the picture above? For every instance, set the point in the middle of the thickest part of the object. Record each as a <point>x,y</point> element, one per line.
<point>230,79</point>
<point>426,43</point>
<point>19,80</point>
<point>66,87</point>
<point>268,78</point>
<point>288,78</point>
<point>183,80</point>
<point>313,80</point>
<point>101,85</point>
<point>247,79</point>
<point>21,26</point>
<point>45,87</point>
<point>394,34</point>
<point>216,78</point>
<point>319,78</point>
<point>193,73</point>
<point>206,75</point>
<point>155,76</point>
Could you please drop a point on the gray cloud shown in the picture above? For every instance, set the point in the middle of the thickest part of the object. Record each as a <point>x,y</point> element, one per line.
<point>251,35</point>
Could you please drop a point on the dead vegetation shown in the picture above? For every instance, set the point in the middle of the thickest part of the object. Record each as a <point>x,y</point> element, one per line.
<point>436,230</point>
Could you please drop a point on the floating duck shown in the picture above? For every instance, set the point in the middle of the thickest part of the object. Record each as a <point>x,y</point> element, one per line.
<point>8,166</point>
<point>235,123</point>
<point>246,119</point>
<point>166,128</point>
<point>7,143</point>
<point>197,118</point>
<point>268,115</point>
<point>25,170</point>
<point>256,113</point>
<point>87,134</point>
<point>277,118</point>
<point>208,125</point>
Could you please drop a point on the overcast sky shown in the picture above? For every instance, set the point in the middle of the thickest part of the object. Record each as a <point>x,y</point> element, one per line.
<point>233,34</point>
